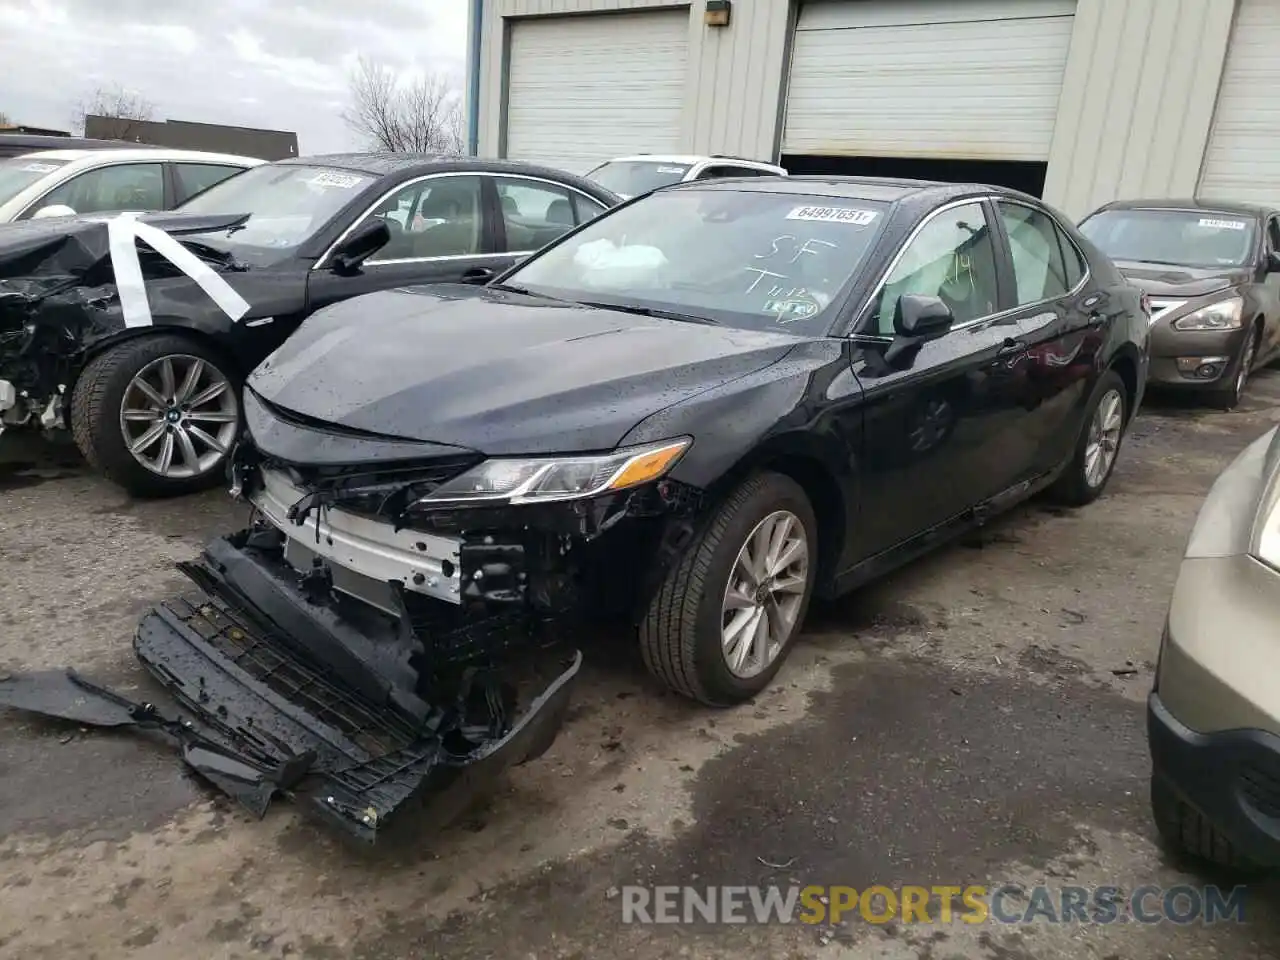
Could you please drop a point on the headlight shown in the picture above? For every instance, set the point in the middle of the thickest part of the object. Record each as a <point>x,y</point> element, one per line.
<point>518,480</point>
<point>1223,315</point>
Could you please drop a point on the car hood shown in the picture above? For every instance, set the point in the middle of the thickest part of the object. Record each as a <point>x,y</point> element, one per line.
<point>499,372</point>
<point>1169,280</point>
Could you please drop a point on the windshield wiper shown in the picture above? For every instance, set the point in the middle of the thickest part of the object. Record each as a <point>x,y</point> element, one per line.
<point>650,312</point>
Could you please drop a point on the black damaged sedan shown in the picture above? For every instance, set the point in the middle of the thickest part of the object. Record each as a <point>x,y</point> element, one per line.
<point>153,400</point>
<point>706,405</point>
<point>696,412</point>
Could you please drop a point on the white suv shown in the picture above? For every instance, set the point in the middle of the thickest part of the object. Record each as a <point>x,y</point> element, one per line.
<point>65,182</point>
<point>630,176</point>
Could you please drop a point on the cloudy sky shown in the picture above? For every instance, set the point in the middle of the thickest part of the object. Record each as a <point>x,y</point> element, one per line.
<point>280,64</point>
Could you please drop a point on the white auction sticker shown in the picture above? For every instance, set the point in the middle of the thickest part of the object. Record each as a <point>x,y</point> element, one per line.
<point>343,180</point>
<point>40,168</point>
<point>852,215</point>
<point>672,169</point>
<point>1223,224</point>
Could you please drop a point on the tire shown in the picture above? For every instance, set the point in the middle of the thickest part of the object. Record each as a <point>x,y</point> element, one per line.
<point>1074,488</point>
<point>98,415</point>
<point>1187,834</point>
<point>681,633</point>
<point>1228,398</point>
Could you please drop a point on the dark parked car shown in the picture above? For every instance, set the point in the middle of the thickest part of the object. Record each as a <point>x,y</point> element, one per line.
<point>1212,271</point>
<point>696,411</point>
<point>154,402</point>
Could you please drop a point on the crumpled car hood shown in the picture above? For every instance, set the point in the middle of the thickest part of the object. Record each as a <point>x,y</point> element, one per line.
<point>1159,280</point>
<point>498,372</point>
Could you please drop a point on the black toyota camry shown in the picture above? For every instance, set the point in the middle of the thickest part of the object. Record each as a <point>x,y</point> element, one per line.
<point>695,412</point>
<point>153,399</point>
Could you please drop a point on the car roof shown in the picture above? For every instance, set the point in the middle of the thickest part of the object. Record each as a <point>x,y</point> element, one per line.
<point>886,189</point>
<point>145,153</point>
<point>687,158</point>
<point>1174,203</point>
<point>384,164</point>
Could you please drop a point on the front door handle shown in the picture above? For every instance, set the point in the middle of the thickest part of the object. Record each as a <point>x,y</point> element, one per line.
<point>479,275</point>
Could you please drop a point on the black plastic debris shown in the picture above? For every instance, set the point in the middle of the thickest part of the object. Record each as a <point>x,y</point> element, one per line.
<point>275,694</point>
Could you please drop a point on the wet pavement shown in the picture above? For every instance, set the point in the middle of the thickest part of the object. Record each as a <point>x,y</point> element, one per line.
<point>977,718</point>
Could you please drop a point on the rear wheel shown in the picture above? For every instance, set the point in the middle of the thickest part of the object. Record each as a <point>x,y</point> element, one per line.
<point>1098,445</point>
<point>157,415</point>
<point>727,615</point>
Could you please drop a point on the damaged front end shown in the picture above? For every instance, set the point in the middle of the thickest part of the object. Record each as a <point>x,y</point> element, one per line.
<point>68,284</point>
<point>360,645</point>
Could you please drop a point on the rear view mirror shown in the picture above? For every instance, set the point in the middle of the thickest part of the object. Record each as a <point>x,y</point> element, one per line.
<point>53,210</point>
<point>921,318</point>
<point>366,240</point>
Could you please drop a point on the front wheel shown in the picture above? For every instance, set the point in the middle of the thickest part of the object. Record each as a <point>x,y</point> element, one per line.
<point>1228,397</point>
<point>727,614</point>
<point>1098,445</point>
<point>157,415</point>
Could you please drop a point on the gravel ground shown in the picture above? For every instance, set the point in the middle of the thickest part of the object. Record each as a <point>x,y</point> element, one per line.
<point>976,718</point>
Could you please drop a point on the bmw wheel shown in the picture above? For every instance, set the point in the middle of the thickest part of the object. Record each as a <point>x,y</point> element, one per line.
<point>727,615</point>
<point>157,415</point>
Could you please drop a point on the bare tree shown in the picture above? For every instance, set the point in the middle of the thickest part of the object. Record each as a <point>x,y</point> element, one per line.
<point>422,116</point>
<point>122,107</point>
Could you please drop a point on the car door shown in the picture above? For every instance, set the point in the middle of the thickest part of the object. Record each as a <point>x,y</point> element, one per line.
<point>935,426</point>
<point>532,212</point>
<point>442,231</point>
<point>1060,332</point>
<point>118,186</point>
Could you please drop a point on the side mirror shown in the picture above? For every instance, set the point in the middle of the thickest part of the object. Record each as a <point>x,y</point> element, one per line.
<point>1273,261</point>
<point>920,318</point>
<point>366,240</point>
<point>53,210</point>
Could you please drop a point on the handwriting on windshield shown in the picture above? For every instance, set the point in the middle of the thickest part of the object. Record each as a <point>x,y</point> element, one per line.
<point>784,251</point>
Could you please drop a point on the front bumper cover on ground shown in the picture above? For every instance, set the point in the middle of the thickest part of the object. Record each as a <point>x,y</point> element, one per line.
<point>275,692</point>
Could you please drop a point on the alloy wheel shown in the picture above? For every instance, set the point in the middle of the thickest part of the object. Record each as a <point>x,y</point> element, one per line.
<point>764,595</point>
<point>1246,361</point>
<point>179,416</point>
<point>1104,438</point>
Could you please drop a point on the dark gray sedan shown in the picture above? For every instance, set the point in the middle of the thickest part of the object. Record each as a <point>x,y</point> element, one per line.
<point>1212,272</point>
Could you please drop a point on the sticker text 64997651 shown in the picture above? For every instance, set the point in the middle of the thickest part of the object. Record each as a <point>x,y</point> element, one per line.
<point>1220,224</point>
<point>850,215</point>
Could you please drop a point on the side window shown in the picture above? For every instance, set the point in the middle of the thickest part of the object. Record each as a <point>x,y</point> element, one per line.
<point>436,217</point>
<point>585,209</point>
<point>714,173</point>
<point>1273,234</point>
<point>534,213</point>
<point>125,186</point>
<point>1072,259</point>
<point>195,178</point>
<point>952,258</point>
<point>1039,271</point>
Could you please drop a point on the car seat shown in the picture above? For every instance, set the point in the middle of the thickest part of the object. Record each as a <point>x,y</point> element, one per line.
<point>459,235</point>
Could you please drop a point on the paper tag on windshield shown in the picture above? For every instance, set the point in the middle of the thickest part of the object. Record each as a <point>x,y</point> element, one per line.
<point>1223,224</point>
<point>850,215</point>
<point>671,169</point>
<point>40,168</point>
<point>344,181</point>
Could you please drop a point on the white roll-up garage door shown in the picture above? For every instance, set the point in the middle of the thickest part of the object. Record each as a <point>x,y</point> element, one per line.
<point>584,89</point>
<point>1242,161</point>
<point>971,79</point>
